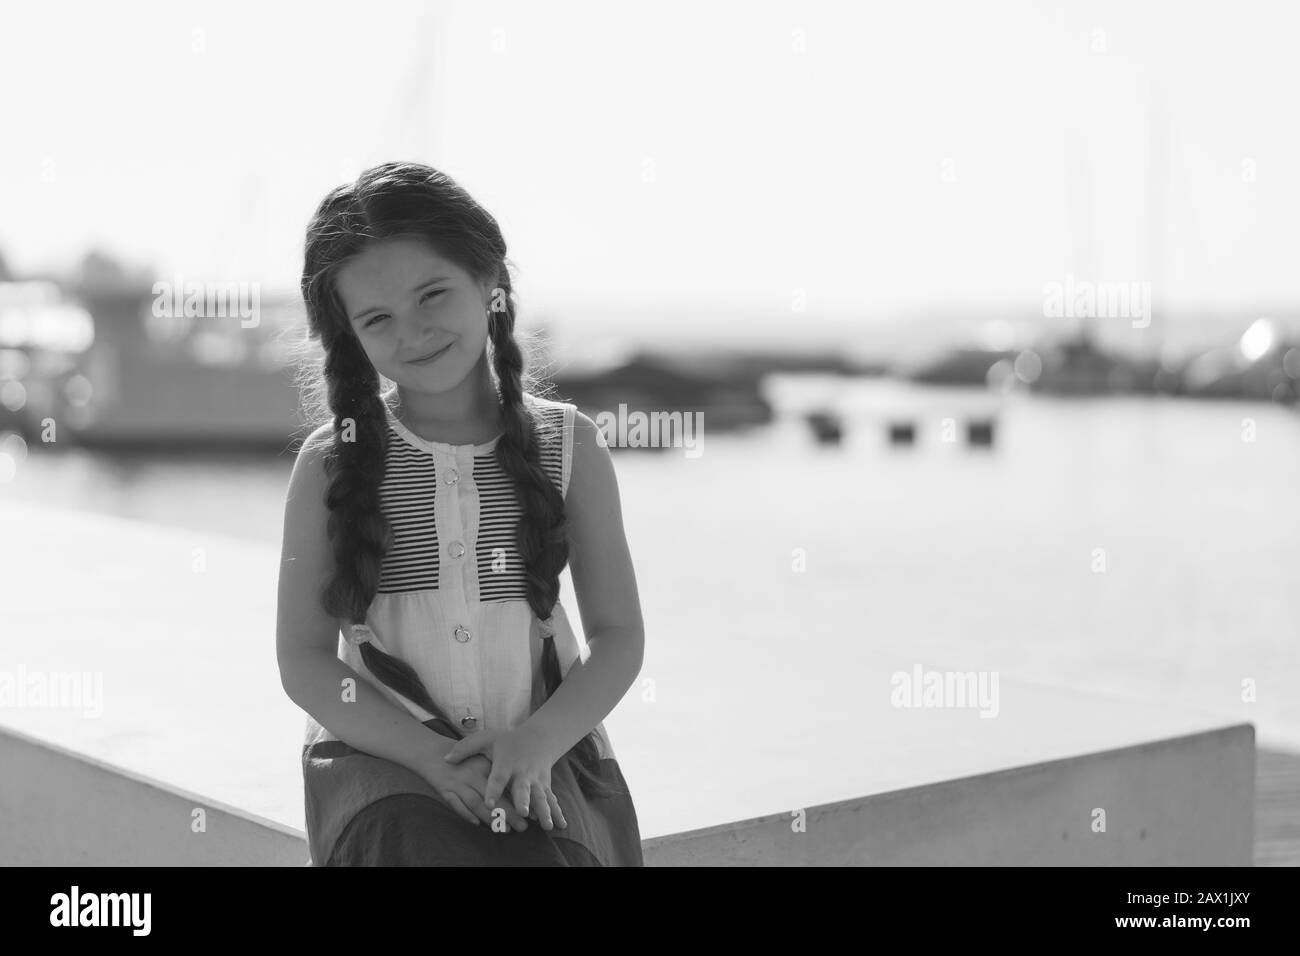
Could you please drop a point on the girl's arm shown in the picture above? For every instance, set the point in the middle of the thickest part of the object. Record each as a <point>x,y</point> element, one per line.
<point>605,584</point>
<point>306,637</point>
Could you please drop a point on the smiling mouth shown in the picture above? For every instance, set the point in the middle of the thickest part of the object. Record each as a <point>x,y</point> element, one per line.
<point>429,358</point>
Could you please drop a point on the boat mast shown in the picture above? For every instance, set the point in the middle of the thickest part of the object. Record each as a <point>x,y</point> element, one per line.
<point>1157,184</point>
<point>1078,195</point>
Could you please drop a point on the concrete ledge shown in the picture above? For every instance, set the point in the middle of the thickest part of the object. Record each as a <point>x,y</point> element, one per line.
<point>59,808</point>
<point>195,701</point>
<point>1186,801</point>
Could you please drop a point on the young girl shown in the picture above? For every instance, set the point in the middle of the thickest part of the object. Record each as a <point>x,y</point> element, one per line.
<point>451,720</point>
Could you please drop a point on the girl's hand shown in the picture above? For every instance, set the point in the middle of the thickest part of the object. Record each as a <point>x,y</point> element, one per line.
<point>461,787</point>
<point>521,763</point>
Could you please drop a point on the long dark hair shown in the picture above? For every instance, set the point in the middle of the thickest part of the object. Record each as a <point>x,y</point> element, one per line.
<point>415,201</point>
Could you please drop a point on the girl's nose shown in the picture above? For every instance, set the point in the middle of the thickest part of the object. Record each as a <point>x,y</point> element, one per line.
<point>412,329</point>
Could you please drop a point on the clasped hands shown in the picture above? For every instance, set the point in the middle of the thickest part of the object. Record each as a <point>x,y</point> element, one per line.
<point>481,769</point>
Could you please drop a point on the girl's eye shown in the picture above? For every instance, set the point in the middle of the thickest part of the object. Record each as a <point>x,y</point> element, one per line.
<point>428,295</point>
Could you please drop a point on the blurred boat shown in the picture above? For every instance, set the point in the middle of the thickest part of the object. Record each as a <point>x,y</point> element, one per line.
<point>826,426</point>
<point>1073,365</point>
<point>1078,366</point>
<point>41,331</point>
<point>150,381</point>
<point>1264,364</point>
<point>724,389</point>
<point>962,366</point>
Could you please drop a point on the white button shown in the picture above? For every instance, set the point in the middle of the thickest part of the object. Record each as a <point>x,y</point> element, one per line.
<point>462,633</point>
<point>456,549</point>
<point>453,476</point>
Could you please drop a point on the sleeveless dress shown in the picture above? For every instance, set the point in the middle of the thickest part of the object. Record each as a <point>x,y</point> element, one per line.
<point>452,604</point>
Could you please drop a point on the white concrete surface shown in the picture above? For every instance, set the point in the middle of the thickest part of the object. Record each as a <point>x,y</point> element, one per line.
<point>59,808</point>
<point>1182,802</point>
<point>180,627</point>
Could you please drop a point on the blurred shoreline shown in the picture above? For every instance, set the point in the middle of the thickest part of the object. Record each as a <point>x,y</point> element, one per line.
<point>114,365</point>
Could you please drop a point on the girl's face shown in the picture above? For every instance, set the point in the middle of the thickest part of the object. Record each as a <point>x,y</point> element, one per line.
<point>420,318</point>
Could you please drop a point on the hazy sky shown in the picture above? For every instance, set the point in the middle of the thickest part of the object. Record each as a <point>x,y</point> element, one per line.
<point>713,156</point>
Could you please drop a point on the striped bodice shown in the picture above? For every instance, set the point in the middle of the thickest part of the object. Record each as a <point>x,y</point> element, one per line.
<point>409,499</point>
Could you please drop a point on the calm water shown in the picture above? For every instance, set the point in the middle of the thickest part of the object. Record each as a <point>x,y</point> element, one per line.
<point>968,558</point>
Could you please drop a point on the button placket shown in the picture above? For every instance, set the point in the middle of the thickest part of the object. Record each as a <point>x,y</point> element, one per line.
<point>450,464</point>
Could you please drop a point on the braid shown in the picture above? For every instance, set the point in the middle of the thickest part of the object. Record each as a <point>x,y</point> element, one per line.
<point>541,538</point>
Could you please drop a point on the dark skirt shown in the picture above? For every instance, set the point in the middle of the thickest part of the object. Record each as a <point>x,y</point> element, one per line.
<point>363,810</point>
